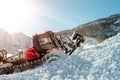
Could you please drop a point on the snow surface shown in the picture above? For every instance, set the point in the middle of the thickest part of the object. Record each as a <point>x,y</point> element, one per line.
<point>101,62</point>
<point>118,21</point>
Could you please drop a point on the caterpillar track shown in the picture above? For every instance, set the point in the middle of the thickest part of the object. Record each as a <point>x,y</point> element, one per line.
<point>52,56</point>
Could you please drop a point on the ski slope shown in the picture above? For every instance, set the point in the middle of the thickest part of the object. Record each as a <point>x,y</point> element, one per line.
<point>101,62</point>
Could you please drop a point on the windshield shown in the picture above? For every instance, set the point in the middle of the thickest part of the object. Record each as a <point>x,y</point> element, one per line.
<point>44,41</point>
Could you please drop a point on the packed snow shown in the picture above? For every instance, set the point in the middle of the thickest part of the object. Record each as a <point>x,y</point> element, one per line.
<point>101,62</point>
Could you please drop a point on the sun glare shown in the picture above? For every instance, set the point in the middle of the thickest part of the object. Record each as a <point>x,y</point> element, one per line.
<point>14,13</point>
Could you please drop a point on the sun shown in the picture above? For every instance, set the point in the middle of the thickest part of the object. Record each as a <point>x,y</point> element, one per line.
<point>27,16</point>
<point>14,13</point>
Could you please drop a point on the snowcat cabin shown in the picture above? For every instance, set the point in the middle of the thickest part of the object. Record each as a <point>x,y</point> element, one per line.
<point>45,41</point>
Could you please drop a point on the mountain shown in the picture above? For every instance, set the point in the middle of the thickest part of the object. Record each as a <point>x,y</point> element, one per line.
<point>101,62</point>
<point>22,39</point>
<point>100,29</point>
<point>13,42</point>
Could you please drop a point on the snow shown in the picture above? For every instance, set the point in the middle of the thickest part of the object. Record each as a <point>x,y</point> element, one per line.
<point>89,43</point>
<point>8,55</point>
<point>100,62</point>
<point>116,29</point>
<point>117,22</point>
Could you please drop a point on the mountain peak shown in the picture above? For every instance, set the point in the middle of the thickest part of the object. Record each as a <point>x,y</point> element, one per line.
<point>14,42</point>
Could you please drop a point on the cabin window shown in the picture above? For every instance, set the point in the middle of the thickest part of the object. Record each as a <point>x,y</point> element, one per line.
<point>44,41</point>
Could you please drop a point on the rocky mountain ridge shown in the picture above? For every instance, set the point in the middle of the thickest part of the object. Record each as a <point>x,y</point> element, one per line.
<point>100,29</point>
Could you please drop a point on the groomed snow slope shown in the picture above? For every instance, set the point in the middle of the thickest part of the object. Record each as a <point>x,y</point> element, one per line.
<point>101,62</point>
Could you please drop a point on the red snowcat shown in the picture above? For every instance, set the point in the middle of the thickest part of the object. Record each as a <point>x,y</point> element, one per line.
<point>46,47</point>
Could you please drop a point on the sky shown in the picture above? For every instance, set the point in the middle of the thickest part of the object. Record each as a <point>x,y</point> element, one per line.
<point>37,16</point>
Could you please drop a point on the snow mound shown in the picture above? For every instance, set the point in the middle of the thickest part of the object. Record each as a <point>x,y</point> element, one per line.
<point>101,62</point>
